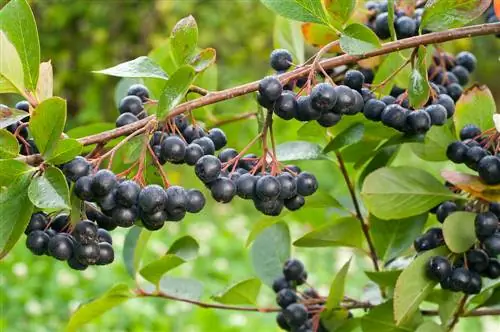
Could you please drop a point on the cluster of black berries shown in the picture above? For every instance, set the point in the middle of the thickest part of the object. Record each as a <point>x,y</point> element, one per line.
<point>462,273</point>
<point>269,192</point>
<point>477,151</point>
<point>27,145</point>
<point>294,315</point>
<point>181,142</point>
<point>131,107</point>
<point>490,17</point>
<point>124,201</point>
<point>404,25</point>
<point>82,245</point>
<point>451,73</point>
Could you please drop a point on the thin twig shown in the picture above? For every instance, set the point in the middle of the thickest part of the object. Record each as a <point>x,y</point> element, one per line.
<point>240,117</point>
<point>456,315</point>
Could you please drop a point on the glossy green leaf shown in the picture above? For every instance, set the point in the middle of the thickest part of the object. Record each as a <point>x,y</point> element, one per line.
<point>11,67</point>
<point>9,116</point>
<point>339,11</point>
<point>358,39</point>
<point>133,248</point>
<point>204,59</point>
<point>322,199</point>
<point>260,226</point>
<point>243,292</point>
<point>140,67</point>
<point>383,157</point>
<point>154,271</point>
<point>50,190</point>
<point>418,87</point>
<point>388,66</point>
<point>381,319</point>
<point>269,252</point>
<point>18,23</point>
<point>349,136</point>
<point>298,150</point>
<point>311,131</point>
<point>476,106</point>
<point>337,288</point>
<point>11,169</point>
<point>9,147</point>
<point>413,286</point>
<point>447,14</point>
<point>459,231</point>
<point>184,40</point>
<point>342,232</point>
<point>47,124</point>
<point>287,35</point>
<point>298,10</point>
<point>65,150</point>
<point>175,90</point>
<point>133,149</point>
<point>14,219</point>
<point>393,237</point>
<point>184,288</point>
<point>429,326</point>
<point>185,247</point>
<point>386,278</point>
<point>93,309</point>
<point>448,303</point>
<point>435,143</point>
<point>401,192</point>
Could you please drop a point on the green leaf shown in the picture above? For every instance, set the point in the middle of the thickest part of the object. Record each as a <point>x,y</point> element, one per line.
<point>50,190</point>
<point>9,116</point>
<point>204,59</point>
<point>153,271</point>
<point>11,67</point>
<point>175,89</point>
<point>349,136</point>
<point>322,199</point>
<point>413,286</point>
<point>488,290</point>
<point>18,23</point>
<point>91,310</point>
<point>393,237</point>
<point>47,124</point>
<point>341,232</point>
<point>91,129</point>
<point>298,10</point>
<point>448,302</point>
<point>45,85</point>
<point>140,67</point>
<point>435,143</point>
<point>9,147</point>
<point>358,39</point>
<point>184,40</point>
<point>459,231</point>
<point>184,288</point>
<point>185,247</point>
<point>11,169</point>
<point>298,150</point>
<point>429,326</point>
<point>259,226</point>
<point>133,248</point>
<point>243,292</point>
<point>418,87</point>
<point>269,252</point>
<point>381,319</point>
<point>287,35</point>
<point>65,150</point>
<point>388,66</point>
<point>75,215</point>
<point>339,11</point>
<point>383,157</point>
<point>312,130</point>
<point>337,287</point>
<point>390,17</point>
<point>401,192</point>
<point>14,219</point>
<point>133,149</point>
<point>384,278</point>
<point>448,14</point>
<point>476,106</point>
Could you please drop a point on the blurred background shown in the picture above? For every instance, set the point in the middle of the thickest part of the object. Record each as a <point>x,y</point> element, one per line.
<point>78,36</point>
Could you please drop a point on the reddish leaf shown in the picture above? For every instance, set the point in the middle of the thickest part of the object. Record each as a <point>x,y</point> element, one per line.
<point>497,8</point>
<point>473,185</point>
<point>319,35</point>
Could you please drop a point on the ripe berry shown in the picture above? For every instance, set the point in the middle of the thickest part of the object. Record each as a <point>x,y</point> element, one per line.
<point>367,94</point>
<point>286,106</point>
<point>177,199</point>
<point>492,245</point>
<point>131,104</point>
<point>424,242</point>
<point>437,113</point>
<point>245,186</point>
<point>462,74</point>
<point>394,116</point>
<point>469,131</point>
<point>354,79</point>
<point>489,169</point>
<point>345,100</point>
<point>218,137</point>
<point>438,268</point>
<point>107,202</point>
<point>193,153</point>
<point>126,119</point>
<point>192,132</point>
<point>139,90</point>
<point>493,270</point>
<point>294,203</point>
<point>474,155</point>
<point>329,119</point>
<point>270,207</point>
<point>293,269</point>
<point>85,232</point>
<point>76,168</point>
<point>100,218</point>
<point>124,216</point>
<point>104,236</point>
<point>154,221</point>
<point>87,254</point>
<point>467,60</point>
<point>455,91</point>
<point>176,216</point>
<point>306,184</point>
<point>281,321</point>
<point>195,201</point>
<point>285,297</point>
<point>280,59</point>
<point>388,100</point>
<point>373,109</point>
<point>475,284</point>
<point>457,152</point>
<point>267,188</point>
<point>60,247</point>
<point>288,185</point>
<point>206,144</point>
<point>382,26</point>
<point>38,222</point>
<point>418,122</point>
<point>106,254</point>
<point>323,97</point>
<point>75,264</point>
<point>445,209</point>
<point>295,314</point>
<point>280,283</point>
<point>127,193</point>
<point>173,149</point>
<point>103,182</point>
<point>495,208</point>
<point>270,88</point>
<point>37,242</point>
<point>223,190</point>
<point>406,27</point>
<point>60,222</point>
<point>305,111</point>
<point>23,105</point>
<point>208,168</point>
<point>459,279</point>
<point>477,260</point>
<point>152,199</point>
<point>83,188</point>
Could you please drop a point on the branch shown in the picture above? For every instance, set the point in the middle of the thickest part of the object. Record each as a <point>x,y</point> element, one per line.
<point>456,315</point>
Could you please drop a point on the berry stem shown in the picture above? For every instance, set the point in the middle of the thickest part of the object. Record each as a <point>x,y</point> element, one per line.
<point>242,152</point>
<point>456,315</point>
<point>163,175</point>
<point>240,117</point>
<point>390,77</point>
